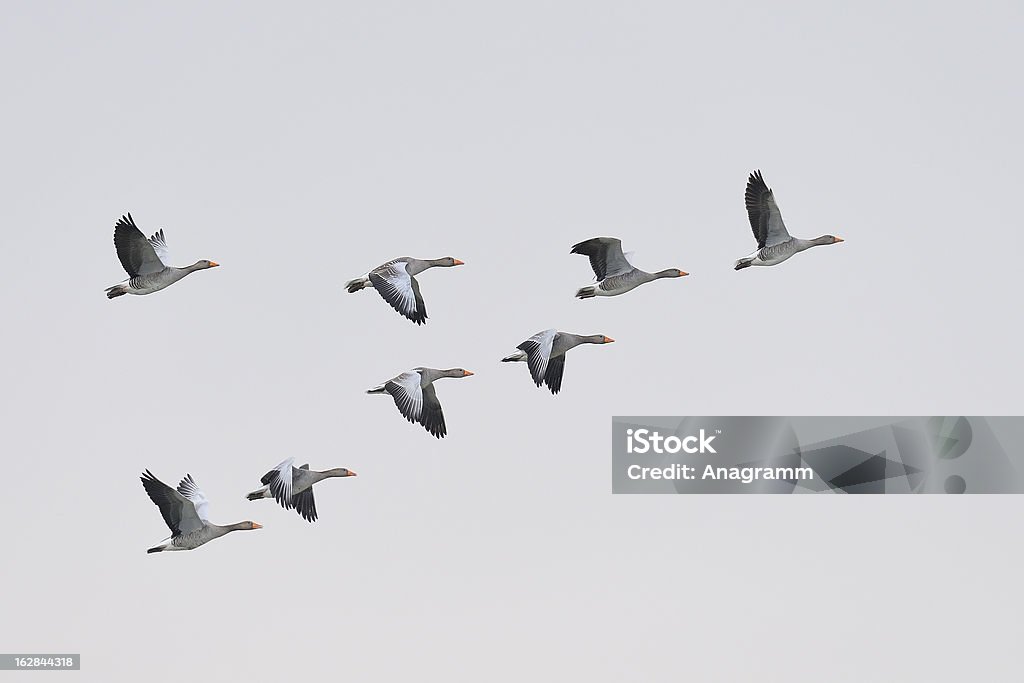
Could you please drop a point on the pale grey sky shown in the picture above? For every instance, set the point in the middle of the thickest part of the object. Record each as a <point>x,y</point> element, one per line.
<point>300,145</point>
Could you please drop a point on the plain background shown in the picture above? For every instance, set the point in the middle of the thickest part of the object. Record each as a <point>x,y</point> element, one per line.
<point>301,144</point>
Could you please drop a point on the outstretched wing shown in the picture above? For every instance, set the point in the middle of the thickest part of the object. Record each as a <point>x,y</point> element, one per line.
<point>136,253</point>
<point>606,257</point>
<point>408,394</point>
<point>159,244</point>
<point>305,505</point>
<point>188,488</point>
<point>538,353</point>
<point>432,417</point>
<point>178,512</point>
<point>279,480</point>
<point>553,376</point>
<point>393,282</point>
<point>764,214</point>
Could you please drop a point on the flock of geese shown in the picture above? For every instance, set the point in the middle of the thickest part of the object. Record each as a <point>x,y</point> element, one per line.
<point>185,508</point>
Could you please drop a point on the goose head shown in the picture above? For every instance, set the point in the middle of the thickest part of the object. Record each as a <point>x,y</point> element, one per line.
<point>454,372</point>
<point>341,472</point>
<point>672,272</point>
<point>204,264</point>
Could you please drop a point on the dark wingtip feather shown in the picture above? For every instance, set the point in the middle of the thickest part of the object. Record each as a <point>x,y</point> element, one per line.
<point>125,220</point>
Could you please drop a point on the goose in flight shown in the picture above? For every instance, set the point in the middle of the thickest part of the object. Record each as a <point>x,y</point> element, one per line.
<point>292,487</point>
<point>545,351</point>
<point>396,282</point>
<point>414,395</point>
<point>185,511</point>
<point>614,273</point>
<point>774,244</point>
<point>145,260</point>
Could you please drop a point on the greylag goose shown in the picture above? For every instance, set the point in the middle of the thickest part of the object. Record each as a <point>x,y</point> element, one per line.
<point>145,260</point>
<point>545,351</point>
<point>774,244</point>
<point>614,273</point>
<point>185,511</point>
<point>292,487</point>
<point>414,395</point>
<point>396,282</point>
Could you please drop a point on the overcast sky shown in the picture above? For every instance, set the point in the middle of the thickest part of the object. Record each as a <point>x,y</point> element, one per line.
<point>300,146</point>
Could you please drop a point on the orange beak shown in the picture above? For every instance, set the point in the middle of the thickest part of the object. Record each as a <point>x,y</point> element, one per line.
<point>838,239</point>
<point>214,264</point>
<point>459,263</point>
<point>257,526</point>
<point>466,373</point>
<point>608,340</point>
<point>351,473</point>
<point>682,272</point>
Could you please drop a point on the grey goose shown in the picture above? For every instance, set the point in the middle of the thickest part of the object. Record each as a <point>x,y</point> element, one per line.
<point>774,244</point>
<point>614,273</point>
<point>396,282</point>
<point>185,511</point>
<point>292,487</point>
<point>544,352</point>
<point>145,261</point>
<point>413,392</point>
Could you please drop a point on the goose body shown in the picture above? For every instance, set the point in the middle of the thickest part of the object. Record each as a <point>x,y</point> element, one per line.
<point>414,395</point>
<point>396,282</point>
<point>292,487</point>
<point>145,261</point>
<point>185,511</point>
<point>774,243</point>
<point>613,272</point>
<point>544,352</point>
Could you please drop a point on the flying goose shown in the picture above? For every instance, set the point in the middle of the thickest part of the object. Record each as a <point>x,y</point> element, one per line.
<point>614,273</point>
<point>145,261</point>
<point>292,487</point>
<point>774,245</point>
<point>545,351</point>
<point>414,395</point>
<point>395,281</point>
<point>185,511</point>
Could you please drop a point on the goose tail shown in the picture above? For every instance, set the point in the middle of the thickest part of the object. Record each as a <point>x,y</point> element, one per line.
<point>743,263</point>
<point>116,291</point>
<point>354,286</point>
<point>586,292</point>
<point>262,493</point>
